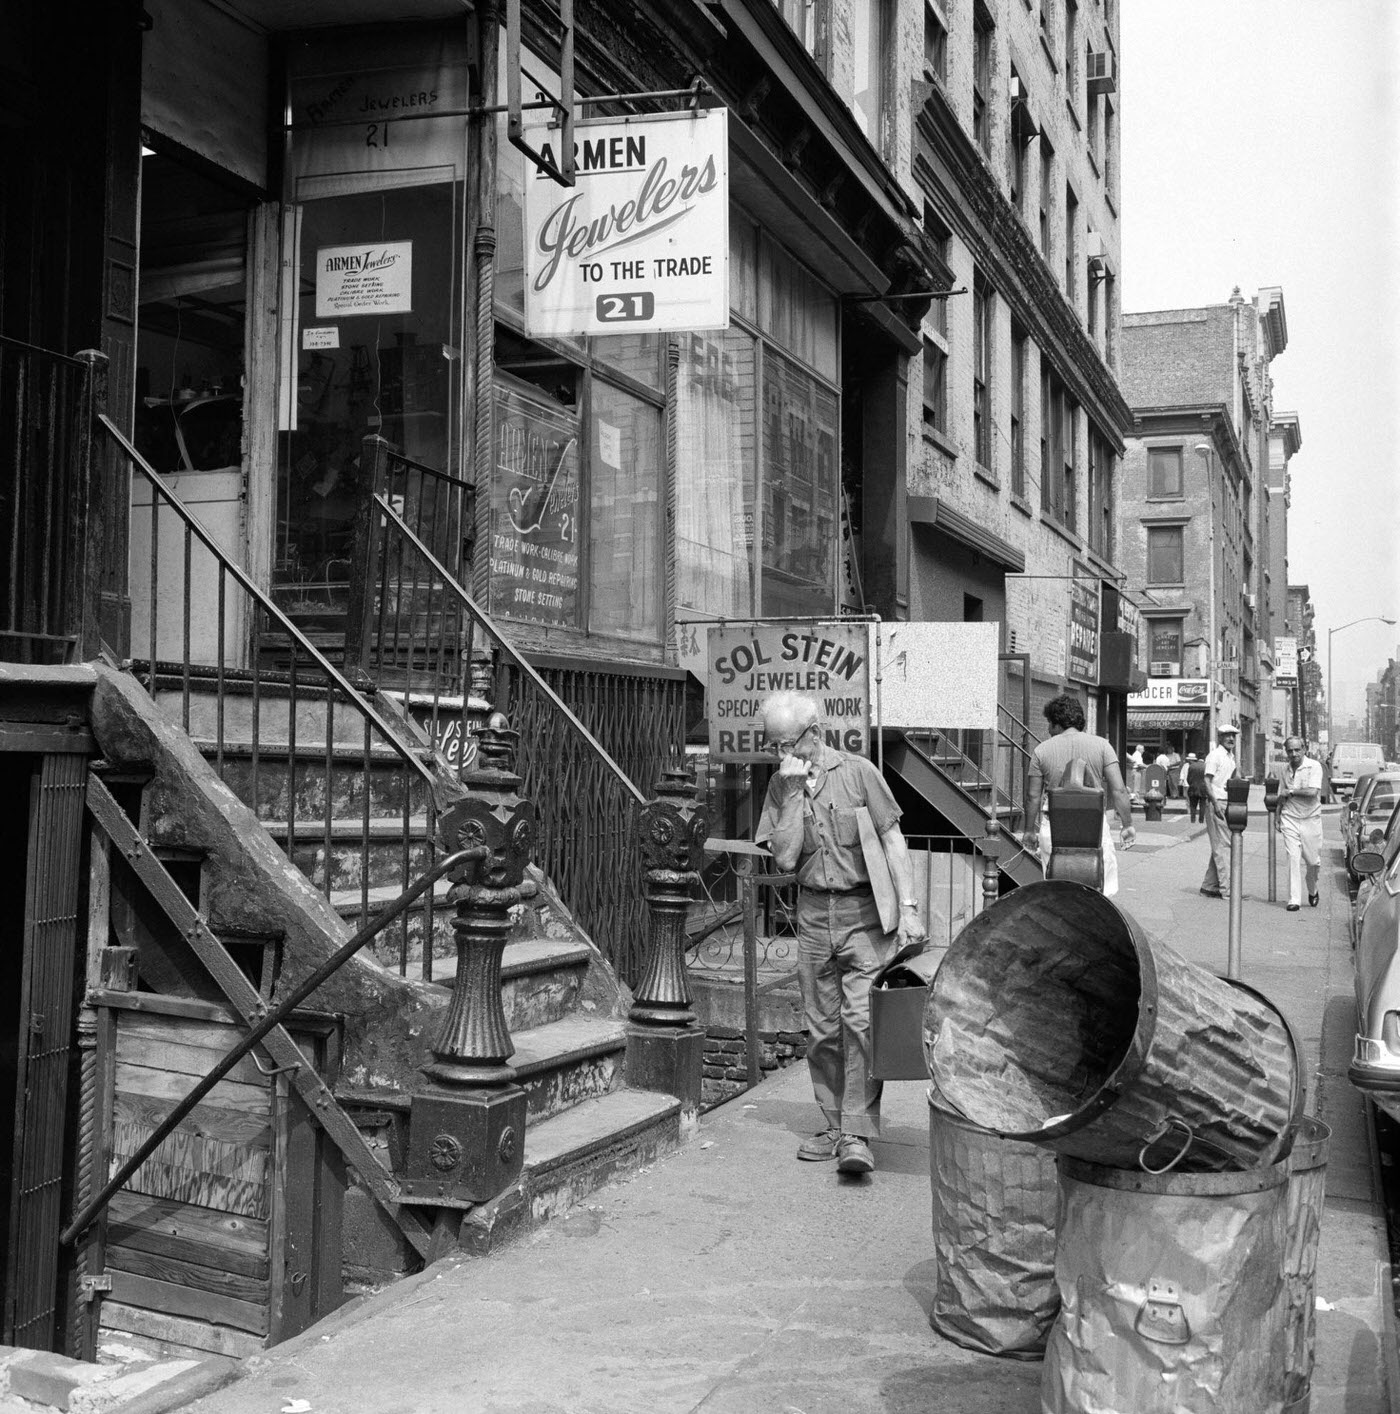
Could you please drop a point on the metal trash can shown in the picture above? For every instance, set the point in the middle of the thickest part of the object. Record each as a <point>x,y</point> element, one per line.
<point>1056,1020</point>
<point>1172,1293</point>
<point>994,1204</point>
<point>1307,1182</point>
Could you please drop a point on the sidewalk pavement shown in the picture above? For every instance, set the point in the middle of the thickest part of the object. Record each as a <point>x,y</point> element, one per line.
<point>731,1279</point>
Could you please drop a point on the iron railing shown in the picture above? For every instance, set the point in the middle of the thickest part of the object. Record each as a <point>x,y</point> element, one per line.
<point>588,734</point>
<point>321,765</point>
<point>46,407</point>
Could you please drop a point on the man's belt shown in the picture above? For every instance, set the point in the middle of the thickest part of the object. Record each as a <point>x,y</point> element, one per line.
<point>854,889</point>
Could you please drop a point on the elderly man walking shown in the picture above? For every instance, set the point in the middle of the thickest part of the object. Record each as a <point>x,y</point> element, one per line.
<point>1300,821</point>
<point>812,819</point>
<point>1220,766</point>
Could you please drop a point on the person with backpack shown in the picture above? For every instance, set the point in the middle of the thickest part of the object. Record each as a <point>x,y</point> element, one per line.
<point>1053,759</point>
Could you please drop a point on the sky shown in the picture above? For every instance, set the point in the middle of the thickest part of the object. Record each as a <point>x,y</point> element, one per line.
<point>1260,146</point>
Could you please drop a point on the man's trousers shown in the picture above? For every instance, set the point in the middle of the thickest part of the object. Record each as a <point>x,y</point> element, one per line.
<point>1303,841</point>
<point>840,950</point>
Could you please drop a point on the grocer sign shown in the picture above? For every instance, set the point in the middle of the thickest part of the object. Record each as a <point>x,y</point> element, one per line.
<point>641,241</point>
<point>1172,692</point>
<point>748,663</point>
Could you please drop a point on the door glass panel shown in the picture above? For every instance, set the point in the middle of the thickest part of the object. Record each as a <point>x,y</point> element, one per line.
<point>376,351</point>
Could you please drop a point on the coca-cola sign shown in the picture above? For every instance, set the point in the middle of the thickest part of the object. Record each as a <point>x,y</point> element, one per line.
<point>641,241</point>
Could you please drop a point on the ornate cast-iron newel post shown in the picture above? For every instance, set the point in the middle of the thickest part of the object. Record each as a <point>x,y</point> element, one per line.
<point>665,1044</point>
<point>467,1124</point>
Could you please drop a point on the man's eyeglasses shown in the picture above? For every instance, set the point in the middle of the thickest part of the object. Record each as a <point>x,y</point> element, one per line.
<point>782,748</point>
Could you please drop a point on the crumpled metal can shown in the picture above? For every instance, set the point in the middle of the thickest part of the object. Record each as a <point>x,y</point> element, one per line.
<point>994,1203</point>
<point>1172,1293</point>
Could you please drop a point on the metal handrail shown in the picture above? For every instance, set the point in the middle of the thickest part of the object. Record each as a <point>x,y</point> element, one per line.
<point>486,622</point>
<point>365,708</point>
<point>410,464</point>
<point>269,1022</point>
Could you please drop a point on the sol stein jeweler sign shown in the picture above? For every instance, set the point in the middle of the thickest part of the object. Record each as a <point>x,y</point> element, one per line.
<point>641,242</point>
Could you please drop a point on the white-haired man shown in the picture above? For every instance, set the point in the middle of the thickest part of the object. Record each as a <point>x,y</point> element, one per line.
<point>810,822</point>
<point>1300,821</point>
<point>1220,767</point>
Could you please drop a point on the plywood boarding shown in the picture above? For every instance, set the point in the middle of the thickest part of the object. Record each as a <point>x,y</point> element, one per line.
<point>188,1238</point>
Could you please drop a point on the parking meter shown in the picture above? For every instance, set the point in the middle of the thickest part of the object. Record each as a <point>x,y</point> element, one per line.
<point>1271,790</point>
<point>1236,818</point>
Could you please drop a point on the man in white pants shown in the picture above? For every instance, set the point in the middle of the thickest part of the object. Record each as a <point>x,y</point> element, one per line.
<point>1220,766</point>
<point>1300,821</point>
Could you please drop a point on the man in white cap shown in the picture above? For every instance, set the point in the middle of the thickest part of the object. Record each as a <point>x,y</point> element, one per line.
<point>1220,766</point>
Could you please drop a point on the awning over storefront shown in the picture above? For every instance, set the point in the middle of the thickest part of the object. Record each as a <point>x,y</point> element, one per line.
<point>1166,721</point>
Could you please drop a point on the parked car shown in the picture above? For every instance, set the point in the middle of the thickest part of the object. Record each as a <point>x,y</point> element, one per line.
<point>1350,761</point>
<point>1367,812</point>
<point>1367,886</point>
<point>1375,1064</point>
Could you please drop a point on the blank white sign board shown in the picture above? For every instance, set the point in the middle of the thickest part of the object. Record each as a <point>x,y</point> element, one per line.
<point>938,674</point>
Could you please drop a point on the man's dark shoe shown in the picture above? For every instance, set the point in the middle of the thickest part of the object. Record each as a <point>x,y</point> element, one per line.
<point>853,1155</point>
<point>820,1146</point>
<point>1293,907</point>
<point>1212,893</point>
<point>1312,900</point>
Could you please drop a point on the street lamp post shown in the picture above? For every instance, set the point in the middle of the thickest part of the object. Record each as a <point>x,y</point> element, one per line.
<point>1369,619</point>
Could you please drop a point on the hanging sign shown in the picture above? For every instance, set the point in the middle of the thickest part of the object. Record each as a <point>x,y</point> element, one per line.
<point>534,509</point>
<point>1285,659</point>
<point>641,242</point>
<point>364,279</point>
<point>1172,692</point>
<point>748,663</point>
<point>1083,630</point>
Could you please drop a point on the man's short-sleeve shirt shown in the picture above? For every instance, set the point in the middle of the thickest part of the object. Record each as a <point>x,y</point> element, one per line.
<point>1220,766</point>
<point>1054,754</point>
<point>1308,776</point>
<point>831,856</point>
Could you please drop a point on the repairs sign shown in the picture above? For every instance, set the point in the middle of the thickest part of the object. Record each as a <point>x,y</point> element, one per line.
<point>748,663</point>
<point>641,241</point>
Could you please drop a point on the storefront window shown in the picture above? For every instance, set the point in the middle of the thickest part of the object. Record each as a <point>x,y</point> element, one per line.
<point>716,463</point>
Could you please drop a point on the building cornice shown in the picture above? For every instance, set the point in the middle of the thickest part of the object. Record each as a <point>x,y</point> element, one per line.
<point>953,173</point>
<point>1286,424</point>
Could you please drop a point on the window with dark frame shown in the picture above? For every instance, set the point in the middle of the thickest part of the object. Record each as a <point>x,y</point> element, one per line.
<point>1164,555</point>
<point>1020,129</point>
<point>1057,449</point>
<point>810,21</point>
<point>1047,194</point>
<point>982,30</point>
<point>1163,473</point>
<point>935,45</point>
<point>1071,54</point>
<point>935,386</point>
<point>1019,347</point>
<point>982,371</point>
<point>1102,494</point>
<point>1165,638</point>
<point>942,238</point>
<point>1071,243</point>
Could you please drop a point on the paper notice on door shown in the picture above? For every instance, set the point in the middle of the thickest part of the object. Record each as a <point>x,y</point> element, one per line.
<point>364,279</point>
<point>325,336</point>
<point>610,444</point>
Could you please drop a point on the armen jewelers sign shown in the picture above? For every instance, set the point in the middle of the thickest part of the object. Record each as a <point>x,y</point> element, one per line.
<point>641,242</point>
<point>364,279</point>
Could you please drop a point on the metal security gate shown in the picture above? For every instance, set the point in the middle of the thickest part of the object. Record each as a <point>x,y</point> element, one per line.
<point>44,1040</point>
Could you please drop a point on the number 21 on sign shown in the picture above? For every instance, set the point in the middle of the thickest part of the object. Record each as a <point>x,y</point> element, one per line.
<point>619,308</point>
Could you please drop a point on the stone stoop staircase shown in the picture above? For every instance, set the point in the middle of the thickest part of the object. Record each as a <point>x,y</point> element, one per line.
<point>564,1005</point>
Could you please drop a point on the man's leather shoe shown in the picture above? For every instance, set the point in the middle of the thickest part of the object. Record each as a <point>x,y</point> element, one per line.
<point>1312,900</point>
<point>1293,907</point>
<point>820,1146</point>
<point>853,1155</point>
<point>1212,893</point>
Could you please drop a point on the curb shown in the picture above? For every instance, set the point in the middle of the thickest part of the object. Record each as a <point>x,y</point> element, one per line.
<point>183,1390</point>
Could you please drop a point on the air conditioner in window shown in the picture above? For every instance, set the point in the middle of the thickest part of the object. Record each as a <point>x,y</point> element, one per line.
<point>1102,72</point>
<point>1094,246</point>
<point>1252,600</point>
<point>1164,670</point>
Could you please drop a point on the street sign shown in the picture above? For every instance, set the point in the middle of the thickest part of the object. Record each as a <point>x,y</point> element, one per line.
<point>1285,658</point>
<point>641,243</point>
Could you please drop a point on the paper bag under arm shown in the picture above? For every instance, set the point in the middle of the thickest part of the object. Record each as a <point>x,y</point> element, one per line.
<point>878,867</point>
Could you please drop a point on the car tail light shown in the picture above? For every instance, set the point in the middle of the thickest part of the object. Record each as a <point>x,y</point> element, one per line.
<point>1390,1032</point>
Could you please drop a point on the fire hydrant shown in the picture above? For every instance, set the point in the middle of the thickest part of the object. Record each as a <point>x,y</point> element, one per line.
<point>1152,802</point>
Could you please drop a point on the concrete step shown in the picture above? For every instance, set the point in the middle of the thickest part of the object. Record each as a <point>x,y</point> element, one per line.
<point>570,1155</point>
<point>356,853</point>
<point>346,776</point>
<point>569,1060</point>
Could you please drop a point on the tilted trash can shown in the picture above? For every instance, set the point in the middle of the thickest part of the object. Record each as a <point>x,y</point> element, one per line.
<point>1307,1182</point>
<point>994,1203</point>
<point>1172,1293</point>
<point>1056,1020</point>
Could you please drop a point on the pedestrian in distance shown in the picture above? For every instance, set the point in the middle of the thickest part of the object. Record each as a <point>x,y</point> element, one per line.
<point>1069,742</point>
<point>1175,780</point>
<point>1193,781</point>
<point>1136,763</point>
<point>1220,767</point>
<point>819,803</point>
<point>1300,821</point>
